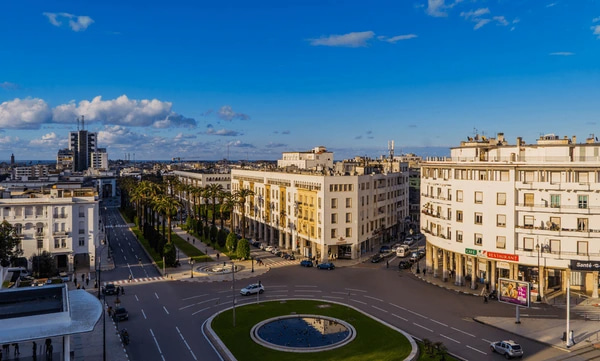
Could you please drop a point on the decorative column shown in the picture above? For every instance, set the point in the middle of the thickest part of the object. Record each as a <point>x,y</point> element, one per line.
<point>436,261</point>
<point>444,265</point>
<point>459,270</point>
<point>428,256</point>
<point>474,265</point>
<point>493,275</point>
<point>595,289</point>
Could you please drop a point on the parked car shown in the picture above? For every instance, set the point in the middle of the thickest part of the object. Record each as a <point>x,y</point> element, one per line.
<point>508,348</point>
<point>252,289</point>
<point>120,314</point>
<point>268,248</point>
<point>414,257</point>
<point>278,253</point>
<point>376,258</point>
<point>274,250</point>
<point>306,263</point>
<point>290,256</point>
<point>326,265</point>
<point>408,241</point>
<point>385,249</point>
<point>404,264</point>
<point>109,289</point>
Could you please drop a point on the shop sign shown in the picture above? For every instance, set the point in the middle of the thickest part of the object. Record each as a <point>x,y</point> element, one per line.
<point>471,251</point>
<point>483,266</point>
<point>504,256</point>
<point>585,265</point>
<point>503,265</point>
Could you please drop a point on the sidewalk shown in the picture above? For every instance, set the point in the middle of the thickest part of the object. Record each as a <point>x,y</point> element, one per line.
<point>549,331</point>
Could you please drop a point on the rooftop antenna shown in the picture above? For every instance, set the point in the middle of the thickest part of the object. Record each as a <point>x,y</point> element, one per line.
<point>82,123</point>
<point>391,148</point>
<point>77,123</point>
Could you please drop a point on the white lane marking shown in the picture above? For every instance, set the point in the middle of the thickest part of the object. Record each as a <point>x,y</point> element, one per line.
<point>339,293</point>
<point>284,291</point>
<point>186,344</point>
<point>466,333</point>
<point>402,318</point>
<point>423,327</point>
<point>484,340</point>
<point>438,322</point>
<point>400,307</point>
<point>125,258</point>
<point>156,294</point>
<point>157,346</point>
<point>136,298</point>
<point>334,297</point>
<point>418,314</point>
<point>380,309</point>
<point>212,299</point>
<point>132,250</point>
<point>143,313</point>
<point>188,306</point>
<point>307,290</point>
<point>121,249</point>
<point>129,243</point>
<point>449,338</point>
<point>307,296</point>
<point>210,342</point>
<point>204,309</point>
<point>305,286</point>
<point>164,308</point>
<point>354,289</point>
<point>373,298</point>
<point>189,298</point>
<point>129,267</point>
<point>357,301</point>
<point>474,349</point>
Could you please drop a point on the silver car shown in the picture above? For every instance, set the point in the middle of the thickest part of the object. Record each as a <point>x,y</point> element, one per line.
<point>508,348</point>
<point>252,289</point>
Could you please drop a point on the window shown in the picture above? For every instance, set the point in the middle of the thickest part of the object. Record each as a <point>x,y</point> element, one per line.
<point>478,218</point>
<point>583,177</point>
<point>528,244</point>
<point>501,242</point>
<point>334,218</point>
<point>501,199</point>
<point>555,246</point>
<point>555,223</point>
<point>582,248</point>
<point>348,232</point>
<point>528,221</point>
<point>459,196</point>
<point>459,236</point>
<point>582,224</point>
<point>81,241</point>
<point>56,243</point>
<point>555,201</point>
<point>40,243</point>
<point>348,217</point>
<point>478,239</point>
<point>348,202</point>
<point>582,201</point>
<point>501,220</point>
<point>333,202</point>
<point>334,233</point>
<point>459,216</point>
<point>479,197</point>
<point>528,199</point>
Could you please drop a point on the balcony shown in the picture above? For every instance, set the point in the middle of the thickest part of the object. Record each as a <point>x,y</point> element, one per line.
<point>557,231</point>
<point>60,233</point>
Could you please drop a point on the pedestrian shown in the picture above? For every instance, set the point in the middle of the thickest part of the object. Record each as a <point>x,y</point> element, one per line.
<point>217,256</point>
<point>130,277</point>
<point>118,290</point>
<point>34,350</point>
<point>424,271</point>
<point>87,281</point>
<point>82,277</point>
<point>122,290</point>
<point>194,240</point>
<point>49,352</point>
<point>16,346</point>
<point>485,298</point>
<point>387,264</point>
<point>188,239</point>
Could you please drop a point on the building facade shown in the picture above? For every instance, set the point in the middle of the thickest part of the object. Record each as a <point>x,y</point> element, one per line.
<point>318,157</point>
<point>83,144</point>
<point>324,215</point>
<point>63,222</point>
<point>523,211</point>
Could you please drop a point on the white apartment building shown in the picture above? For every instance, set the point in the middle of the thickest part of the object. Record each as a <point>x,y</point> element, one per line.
<point>323,214</point>
<point>318,157</point>
<point>523,211</point>
<point>201,179</point>
<point>99,159</point>
<point>63,222</point>
<point>33,171</point>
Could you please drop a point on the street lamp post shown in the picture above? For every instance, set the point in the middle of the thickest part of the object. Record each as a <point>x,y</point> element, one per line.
<point>233,289</point>
<point>252,258</point>
<point>192,267</point>
<point>539,296</point>
<point>99,269</point>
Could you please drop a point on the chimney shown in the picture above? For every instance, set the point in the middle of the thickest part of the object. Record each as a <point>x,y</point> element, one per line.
<point>501,137</point>
<point>519,140</point>
<point>574,141</point>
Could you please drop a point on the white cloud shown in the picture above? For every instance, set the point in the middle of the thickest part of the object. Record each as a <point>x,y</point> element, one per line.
<point>28,113</point>
<point>351,40</point>
<point>227,113</point>
<point>475,13</point>
<point>123,111</point>
<point>562,53</point>
<point>222,132</point>
<point>551,5</point>
<point>8,85</point>
<point>596,30</point>
<point>480,23</point>
<point>595,20</point>
<point>435,8</point>
<point>396,38</point>
<point>76,22</point>
<point>501,20</point>
<point>49,141</point>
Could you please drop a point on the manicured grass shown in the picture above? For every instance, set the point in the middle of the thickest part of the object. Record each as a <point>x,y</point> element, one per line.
<point>374,341</point>
<point>189,249</point>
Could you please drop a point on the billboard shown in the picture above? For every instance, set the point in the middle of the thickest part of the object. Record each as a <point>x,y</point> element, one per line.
<point>513,292</point>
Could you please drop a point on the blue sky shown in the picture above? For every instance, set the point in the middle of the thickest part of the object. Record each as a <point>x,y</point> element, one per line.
<point>204,79</point>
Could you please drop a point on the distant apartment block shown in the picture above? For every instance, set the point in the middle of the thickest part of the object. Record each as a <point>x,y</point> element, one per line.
<point>521,211</point>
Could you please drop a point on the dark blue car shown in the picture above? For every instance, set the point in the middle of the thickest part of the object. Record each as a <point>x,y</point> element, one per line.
<point>306,263</point>
<point>326,265</point>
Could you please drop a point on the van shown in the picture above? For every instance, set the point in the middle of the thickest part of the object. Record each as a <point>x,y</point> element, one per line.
<point>402,251</point>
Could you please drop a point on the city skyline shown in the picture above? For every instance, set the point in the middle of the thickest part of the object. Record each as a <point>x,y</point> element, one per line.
<point>240,81</point>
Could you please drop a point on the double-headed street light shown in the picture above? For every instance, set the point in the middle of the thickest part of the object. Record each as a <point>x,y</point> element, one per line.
<point>192,267</point>
<point>539,296</point>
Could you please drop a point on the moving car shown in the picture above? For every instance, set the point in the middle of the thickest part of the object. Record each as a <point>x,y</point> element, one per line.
<point>402,251</point>
<point>269,248</point>
<point>109,289</point>
<point>376,258</point>
<point>326,265</point>
<point>508,348</point>
<point>408,241</point>
<point>121,314</point>
<point>252,289</point>
<point>404,264</point>
<point>306,263</point>
<point>385,249</point>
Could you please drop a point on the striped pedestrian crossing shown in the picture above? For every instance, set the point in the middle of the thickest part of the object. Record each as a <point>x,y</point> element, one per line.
<point>137,280</point>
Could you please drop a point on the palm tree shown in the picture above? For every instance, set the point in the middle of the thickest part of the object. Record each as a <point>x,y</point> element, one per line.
<point>168,206</point>
<point>205,194</point>
<point>227,203</point>
<point>240,197</point>
<point>214,190</point>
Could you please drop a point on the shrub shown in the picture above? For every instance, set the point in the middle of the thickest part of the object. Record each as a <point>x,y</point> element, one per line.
<point>243,249</point>
<point>232,241</point>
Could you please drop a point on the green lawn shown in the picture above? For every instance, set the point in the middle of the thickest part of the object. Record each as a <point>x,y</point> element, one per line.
<point>189,249</point>
<point>374,341</point>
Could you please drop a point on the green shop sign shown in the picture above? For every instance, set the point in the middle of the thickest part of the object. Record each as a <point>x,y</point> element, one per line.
<point>471,251</point>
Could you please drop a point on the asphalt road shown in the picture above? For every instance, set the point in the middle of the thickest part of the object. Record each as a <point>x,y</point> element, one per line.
<point>166,317</point>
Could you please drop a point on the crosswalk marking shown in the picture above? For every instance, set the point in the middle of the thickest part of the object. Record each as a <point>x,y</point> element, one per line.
<point>136,280</point>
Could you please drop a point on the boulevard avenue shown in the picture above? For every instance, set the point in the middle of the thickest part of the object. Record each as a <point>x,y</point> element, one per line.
<point>166,317</point>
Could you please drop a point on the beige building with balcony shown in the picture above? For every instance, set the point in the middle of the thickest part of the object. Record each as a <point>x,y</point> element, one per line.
<point>523,211</point>
<point>324,214</point>
<point>63,222</point>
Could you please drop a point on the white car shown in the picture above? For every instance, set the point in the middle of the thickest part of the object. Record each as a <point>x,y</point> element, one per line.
<point>269,248</point>
<point>252,289</point>
<point>408,241</point>
<point>508,348</point>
